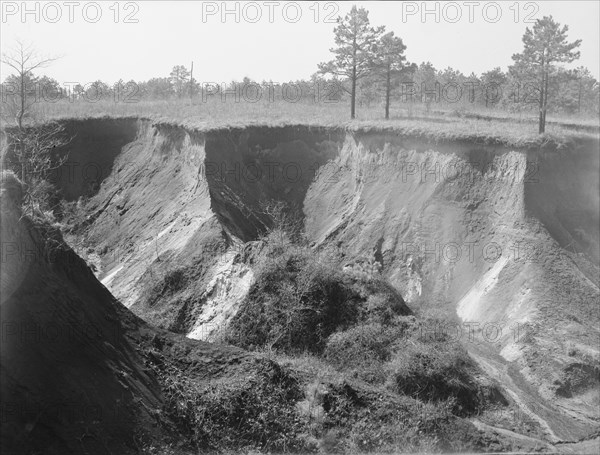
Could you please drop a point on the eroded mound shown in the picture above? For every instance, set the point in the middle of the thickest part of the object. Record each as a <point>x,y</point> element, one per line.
<point>501,242</point>
<point>79,372</point>
<point>71,379</point>
<point>82,374</point>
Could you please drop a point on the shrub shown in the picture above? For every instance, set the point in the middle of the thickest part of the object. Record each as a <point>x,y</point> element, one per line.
<point>299,298</point>
<point>254,411</point>
<point>369,420</point>
<point>295,303</point>
<point>363,343</point>
<point>385,305</point>
<point>361,350</point>
<point>435,372</point>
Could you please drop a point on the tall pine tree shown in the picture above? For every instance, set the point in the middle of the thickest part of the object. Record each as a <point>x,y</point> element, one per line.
<point>355,40</point>
<point>544,46</point>
<point>389,61</point>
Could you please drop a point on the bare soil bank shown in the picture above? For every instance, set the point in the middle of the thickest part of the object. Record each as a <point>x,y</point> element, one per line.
<point>502,242</point>
<point>80,373</point>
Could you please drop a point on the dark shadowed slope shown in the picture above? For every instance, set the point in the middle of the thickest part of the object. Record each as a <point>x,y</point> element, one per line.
<point>78,370</point>
<point>71,380</point>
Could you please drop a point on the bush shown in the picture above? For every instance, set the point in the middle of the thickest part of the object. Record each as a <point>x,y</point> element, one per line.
<point>299,298</point>
<point>363,349</point>
<point>252,412</point>
<point>295,303</point>
<point>435,372</point>
<point>360,344</point>
<point>364,420</point>
<point>385,305</point>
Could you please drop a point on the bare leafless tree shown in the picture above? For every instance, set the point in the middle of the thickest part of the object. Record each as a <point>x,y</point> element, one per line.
<point>283,218</point>
<point>24,60</point>
<point>31,144</point>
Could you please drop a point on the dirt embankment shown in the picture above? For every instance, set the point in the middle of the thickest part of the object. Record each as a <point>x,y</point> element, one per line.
<point>502,242</point>
<point>71,380</point>
<point>179,199</point>
<point>504,239</point>
<point>80,373</point>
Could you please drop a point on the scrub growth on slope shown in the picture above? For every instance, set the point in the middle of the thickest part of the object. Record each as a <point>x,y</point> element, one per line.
<point>485,236</point>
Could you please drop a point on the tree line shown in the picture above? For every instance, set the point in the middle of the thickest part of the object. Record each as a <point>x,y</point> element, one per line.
<point>366,52</point>
<point>369,68</point>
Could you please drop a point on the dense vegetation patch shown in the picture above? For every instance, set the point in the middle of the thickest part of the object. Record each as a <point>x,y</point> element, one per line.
<point>304,302</point>
<point>348,367</point>
<point>300,298</point>
<point>254,411</point>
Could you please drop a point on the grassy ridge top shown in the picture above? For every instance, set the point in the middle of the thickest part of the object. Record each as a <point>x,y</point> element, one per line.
<point>486,127</point>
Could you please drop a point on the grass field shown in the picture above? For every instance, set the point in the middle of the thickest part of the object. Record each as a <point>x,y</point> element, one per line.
<point>439,123</point>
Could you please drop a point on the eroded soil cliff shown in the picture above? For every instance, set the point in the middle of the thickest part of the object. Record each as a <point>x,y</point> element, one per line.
<point>503,243</point>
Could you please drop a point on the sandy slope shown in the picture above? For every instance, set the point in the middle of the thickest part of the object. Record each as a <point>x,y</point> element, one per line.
<point>502,242</point>
<point>469,244</point>
<point>75,372</point>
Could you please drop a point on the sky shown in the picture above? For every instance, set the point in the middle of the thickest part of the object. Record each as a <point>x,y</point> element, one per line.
<point>278,41</point>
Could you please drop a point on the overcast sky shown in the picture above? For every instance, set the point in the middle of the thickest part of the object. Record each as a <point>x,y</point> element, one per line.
<point>144,39</point>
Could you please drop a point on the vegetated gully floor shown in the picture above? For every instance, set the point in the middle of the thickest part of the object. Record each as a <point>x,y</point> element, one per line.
<point>501,243</point>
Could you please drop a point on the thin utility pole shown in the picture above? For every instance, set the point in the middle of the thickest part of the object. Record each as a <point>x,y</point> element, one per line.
<point>579,97</point>
<point>191,83</point>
